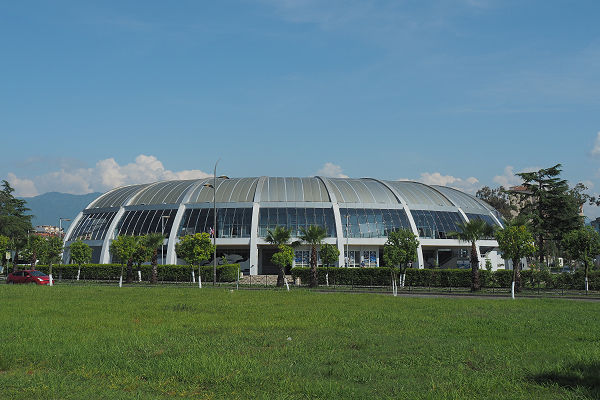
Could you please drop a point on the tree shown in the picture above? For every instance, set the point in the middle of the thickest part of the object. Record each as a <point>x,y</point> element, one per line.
<point>551,208</point>
<point>399,252</point>
<point>140,255</point>
<point>53,248</point>
<point>329,255</point>
<point>284,259</point>
<point>4,247</point>
<point>499,199</point>
<point>279,236</point>
<point>194,249</point>
<point>583,245</point>
<point>473,231</point>
<point>14,220</point>
<point>123,248</point>
<point>36,245</point>
<point>81,254</point>
<point>515,242</point>
<point>153,242</point>
<point>313,235</point>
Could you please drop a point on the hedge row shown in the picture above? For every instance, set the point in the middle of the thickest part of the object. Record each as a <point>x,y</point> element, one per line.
<point>450,278</point>
<point>166,273</point>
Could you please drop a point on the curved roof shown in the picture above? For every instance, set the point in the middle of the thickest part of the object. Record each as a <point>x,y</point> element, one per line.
<point>117,197</point>
<point>361,191</point>
<point>415,193</point>
<point>167,192</point>
<point>461,199</point>
<point>234,190</point>
<point>292,189</point>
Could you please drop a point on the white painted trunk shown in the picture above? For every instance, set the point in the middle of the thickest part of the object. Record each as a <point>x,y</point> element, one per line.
<point>286,283</point>
<point>402,279</point>
<point>193,277</point>
<point>121,281</point>
<point>512,290</point>
<point>586,284</point>
<point>326,278</point>
<point>78,273</point>
<point>139,276</point>
<point>199,281</point>
<point>51,280</point>
<point>394,288</point>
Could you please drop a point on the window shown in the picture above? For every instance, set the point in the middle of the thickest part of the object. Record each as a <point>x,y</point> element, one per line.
<point>92,226</point>
<point>435,224</point>
<point>142,222</point>
<point>294,219</point>
<point>371,223</point>
<point>369,258</point>
<point>231,222</point>
<point>352,258</point>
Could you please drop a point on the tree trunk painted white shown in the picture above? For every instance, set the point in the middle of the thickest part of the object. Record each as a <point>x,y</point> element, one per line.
<point>326,279</point>
<point>586,284</point>
<point>394,287</point>
<point>199,281</point>
<point>139,276</point>
<point>402,278</point>
<point>121,281</point>
<point>78,273</point>
<point>286,283</point>
<point>512,290</point>
<point>237,281</point>
<point>193,277</point>
<point>51,281</point>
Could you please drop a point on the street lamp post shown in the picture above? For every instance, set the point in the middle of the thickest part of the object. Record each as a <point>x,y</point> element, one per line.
<point>162,231</point>
<point>214,188</point>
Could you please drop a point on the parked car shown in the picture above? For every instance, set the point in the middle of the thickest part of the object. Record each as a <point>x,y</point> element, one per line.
<point>28,276</point>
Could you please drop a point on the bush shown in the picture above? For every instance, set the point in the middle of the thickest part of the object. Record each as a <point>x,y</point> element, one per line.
<point>166,273</point>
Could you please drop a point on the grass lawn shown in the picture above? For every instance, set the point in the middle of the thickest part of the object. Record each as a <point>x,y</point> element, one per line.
<point>99,342</point>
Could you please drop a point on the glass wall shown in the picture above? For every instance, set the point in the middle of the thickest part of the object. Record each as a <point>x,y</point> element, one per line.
<point>436,224</point>
<point>92,226</point>
<point>294,218</point>
<point>484,217</point>
<point>231,222</point>
<point>372,223</point>
<point>142,222</point>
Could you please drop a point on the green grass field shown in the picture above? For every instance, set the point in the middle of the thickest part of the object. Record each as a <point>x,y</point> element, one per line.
<point>98,342</point>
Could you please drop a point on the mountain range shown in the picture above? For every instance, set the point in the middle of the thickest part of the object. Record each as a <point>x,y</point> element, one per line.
<point>47,208</point>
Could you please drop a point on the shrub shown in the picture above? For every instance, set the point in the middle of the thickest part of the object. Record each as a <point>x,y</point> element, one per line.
<point>166,273</point>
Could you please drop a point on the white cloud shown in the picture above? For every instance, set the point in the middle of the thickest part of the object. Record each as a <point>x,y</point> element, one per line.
<point>509,177</point>
<point>469,185</point>
<point>23,187</point>
<point>331,170</point>
<point>596,149</point>
<point>105,175</point>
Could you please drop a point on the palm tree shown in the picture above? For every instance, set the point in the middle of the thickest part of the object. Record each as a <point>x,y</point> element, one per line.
<point>278,236</point>
<point>313,235</point>
<point>153,243</point>
<point>473,231</point>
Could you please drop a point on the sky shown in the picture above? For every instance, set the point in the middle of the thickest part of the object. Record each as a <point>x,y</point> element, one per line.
<point>464,93</point>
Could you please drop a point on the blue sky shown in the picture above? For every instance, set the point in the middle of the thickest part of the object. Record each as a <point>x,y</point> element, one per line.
<point>465,93</point>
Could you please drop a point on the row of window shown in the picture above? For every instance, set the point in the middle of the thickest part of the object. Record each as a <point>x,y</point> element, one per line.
<point>231,222</point>
<point>372,223</point>
<point>237,222</point>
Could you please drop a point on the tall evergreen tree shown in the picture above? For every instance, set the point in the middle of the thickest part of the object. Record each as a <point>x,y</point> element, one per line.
<point>550,207</point>
<point>14,220</point>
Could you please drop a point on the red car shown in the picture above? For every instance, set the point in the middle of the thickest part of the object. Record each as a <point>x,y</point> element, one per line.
<point>28,276</point>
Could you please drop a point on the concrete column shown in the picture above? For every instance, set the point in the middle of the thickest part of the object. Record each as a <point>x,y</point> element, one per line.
<point>105,254</point>
<point>171,256</point>
<point>254,240</point>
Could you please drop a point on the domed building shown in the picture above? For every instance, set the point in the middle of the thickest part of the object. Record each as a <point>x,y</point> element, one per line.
<point>357,214</point>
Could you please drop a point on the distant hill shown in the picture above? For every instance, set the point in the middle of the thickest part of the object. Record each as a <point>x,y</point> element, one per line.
<point>47,208</point>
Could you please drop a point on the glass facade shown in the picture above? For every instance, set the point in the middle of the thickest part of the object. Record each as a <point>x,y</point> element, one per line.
<point>372,223</point>
<point>486,218</point>
<point>295,218</point>
<point>231,222</point>
<point>142,222</point>
<point>436,224</point>
<point>92,226</point>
